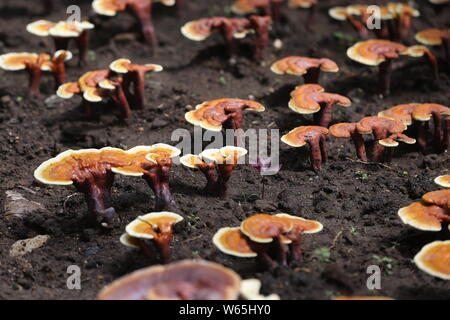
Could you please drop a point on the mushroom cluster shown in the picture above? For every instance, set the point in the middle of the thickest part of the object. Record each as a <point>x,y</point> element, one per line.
<point>436,37</point>
<point>63,32</point>
<point>395,19</point>
<point>429,215</point>
<point>92,171</point>
<point>123,82</point>
<point>34,64</point>
<point>232,30</point>
<point>273,239</point>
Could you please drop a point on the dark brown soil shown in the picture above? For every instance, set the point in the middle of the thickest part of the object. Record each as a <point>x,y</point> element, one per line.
<point>357,203</point>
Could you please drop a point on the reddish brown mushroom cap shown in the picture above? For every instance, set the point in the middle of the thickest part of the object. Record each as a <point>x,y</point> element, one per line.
<point>369,124</point>
<point>108,7</point>
<point>40,28</point>
<point>443,181</point>
<point>401,112</point>
<point>199,30</point>
<point>440,198</point>
<point>298,137</point>
<point>124,66</point>
<point>424,111</point>
<point>264,227</point>
<point>144,226</point>
<point>424,217</point>
<point>434,259</point>
<point>210,115</point>
<point>184,280</point>
<point>18,61</point>
<point>306,99</point>
<point>373,52</point>
<point>233,242</point>
<point>342,130</point>
<point>305,225</point>
<point>432,37</point>
<point>244,7</point>
<point>392,140</point>
<point>300,65</point>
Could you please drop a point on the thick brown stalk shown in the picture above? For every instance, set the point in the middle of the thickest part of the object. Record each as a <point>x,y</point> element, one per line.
<point>120,99</point>
<point>421,134</point>
<point>261,26</point>
<point>317,152</point>
<point>325,114</point>
<point>281,250</point>
<point>95,184</point>
<point>224,171</point>
<point>359,27</point>
<point>360,147</point>
<point>209,170</point>
<point>263,255</point>
<point>35,73</point>
<point>83,44</point>
<point>446,45</point>
<point>143,11</point>
<point>295,246</point>
<point>157,177</point>
<point>385,77</point>
<point>404,25</point>
<point>378,149</point>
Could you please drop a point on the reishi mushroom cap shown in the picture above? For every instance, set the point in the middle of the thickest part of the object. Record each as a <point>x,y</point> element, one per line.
<point>67,90</point>
<point>431,37</point>
<point>233,242</point>
<point>18,61</point>
<point>424,111</point>
<point>210,115</point>
<point>224,155</point>
<point>342,130</point>
<point>40,28</point>
<point>434,259</point>
<point>440,198</point>
<point>243,7</point>
<point>184,280</point>
<point>60,169</point>
<point>129,241</point>
<point>307,226</point>
<point>298,66</point>
<point>367,125</point>
<point>302,3</point>
<point>338,13</point>
<point>263,227</point>
<point>108,7</point>
<point>298,136</point>
<point>124,66</point>
<point>401,112</point>
<point>443,181</point>
<point>375,51</point>
<point>422,217</point>
<point>306,99</point>
<point>143,227</point>
<point>191,161</point>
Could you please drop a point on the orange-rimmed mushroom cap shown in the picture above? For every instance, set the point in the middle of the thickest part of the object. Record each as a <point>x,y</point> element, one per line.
<point>124,66</point>
<point>129,241</point>
<point>434,259</point>
<point>401,112</point>
<point>305,225</point>
<point>306,99</point>
<point>263,227</point>
<point>184,280</point>
<point>298,66</point>
<point>243,7</point>
<point>162,151</point>
<point>424,111</point>
<point>362,298</point>
<point>67,90</point>
<point>392,140</point>
<point>367,125</point>
<point>439,198</point>
<point>224,155</point>
<point>233,242</point>
<point>375,51</point>
<point>143,227</point>
<point>342,130</point>
<point>431,37</point>
<point>397,8</point>
<point>18,61</point>
<point>40,28</point>
<point>91,79</point>
<point>191,161</point>
<point>302,3</point>
<point>210,115</point>
<point>66,29</point>
<point>93,95</point>
<point>298,136</point>
<point>443,181</point>
<point>423,217</point>
<point>338,13</point>
<point>108,7</point>
<point>61,169</point>
<point>197,30</point>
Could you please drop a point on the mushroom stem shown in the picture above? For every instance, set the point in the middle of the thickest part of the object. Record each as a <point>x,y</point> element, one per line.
<point>438,130</point>
<point>209,171</point>
<point>59,71</point>
<point>35,73</point>
<point>388,153</point>
<point>359,27</point>
<point>162,242</point>
<point>281,249</point>
<point>360,147</point>
<point>318,153</point>
<point>325,115</point>
<point>120,99</point>
<point>295,246</point>
<point>378,149</point>
<point>446,44</point>
<point>138,80</point>
<point>421,134</point>
<point>143,11</point>
<point>262,254</point>
<point>404,24</point>
<point>312,76</point>
<point>224,170</point>
<point>157,177</point>
<point>96,186</point>
<point>385,77</point>
<point>227,32</point>
<point>261,42</point>
<point>446,137</point>
<point>83,44</point>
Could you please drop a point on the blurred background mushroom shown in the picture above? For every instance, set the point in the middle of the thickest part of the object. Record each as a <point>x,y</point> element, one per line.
<point>436,37</point>
<point>381,53</point>
<point>34,64</point>
<point>312,99</point>
<point>443,181</point>
<point>314,136</point>
<point>154,226</point>
<point>183,280</point>
<point>309,68</point>
<point>217,165</point>
<point>90,171</point>
<point>62,32</point>
<point>142,9</point>
<point>434,259</point>
<point>311,5</point>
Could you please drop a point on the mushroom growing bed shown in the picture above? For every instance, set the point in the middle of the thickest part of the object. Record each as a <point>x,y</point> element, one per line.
<point>355,201</point>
